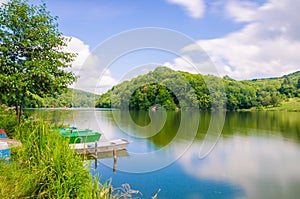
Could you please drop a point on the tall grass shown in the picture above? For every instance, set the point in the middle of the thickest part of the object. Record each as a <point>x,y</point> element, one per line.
<point>45,167</point>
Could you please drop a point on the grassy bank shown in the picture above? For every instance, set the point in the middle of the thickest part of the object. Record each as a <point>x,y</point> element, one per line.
<point>45,167</point>
<point>292,104</point>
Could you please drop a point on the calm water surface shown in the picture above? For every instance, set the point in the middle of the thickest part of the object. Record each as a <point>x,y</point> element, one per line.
<point>256,156</point>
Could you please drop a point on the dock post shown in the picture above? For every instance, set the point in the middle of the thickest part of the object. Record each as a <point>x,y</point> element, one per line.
<point>115,160</point>
<point>96,149</point>
<point>96,163</point>
<point>115,154</point>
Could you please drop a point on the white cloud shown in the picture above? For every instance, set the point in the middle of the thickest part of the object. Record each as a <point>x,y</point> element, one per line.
<point>82,50</point>
<point>249,163</point>
<point>241,11</point>
<point>3,1</point>
<point>267,46</point>
<point>194,8</point>
<point>189,64</point>
<point>182,64</point>
<point>86,65</point>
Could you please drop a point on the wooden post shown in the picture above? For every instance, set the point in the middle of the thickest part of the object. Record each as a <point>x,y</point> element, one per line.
<point>96,149</point>
<point>115,160</point>
<point>96,163</point>
<point>115,154</point>
<point>96,155</point>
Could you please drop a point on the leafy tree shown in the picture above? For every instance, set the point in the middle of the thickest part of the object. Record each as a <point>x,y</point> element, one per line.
<point>31,53</point>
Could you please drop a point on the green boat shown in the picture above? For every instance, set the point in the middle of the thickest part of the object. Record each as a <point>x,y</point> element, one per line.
<point>79,136</point>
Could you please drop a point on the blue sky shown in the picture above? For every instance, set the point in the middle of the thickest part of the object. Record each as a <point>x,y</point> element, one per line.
<point>94,21</point>
<point>244,39</point>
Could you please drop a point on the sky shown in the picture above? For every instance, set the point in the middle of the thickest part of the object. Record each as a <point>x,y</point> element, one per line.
<point>243,39</point>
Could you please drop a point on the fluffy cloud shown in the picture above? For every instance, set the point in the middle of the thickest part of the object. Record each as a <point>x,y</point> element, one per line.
<point>82,50</point>
<point>86,66</point>
<point>267,45</point>
<point>249,163</point>
<point>194,8</point>
<point>241,11</point>
<point>189,63</point>
<point>3,1</point>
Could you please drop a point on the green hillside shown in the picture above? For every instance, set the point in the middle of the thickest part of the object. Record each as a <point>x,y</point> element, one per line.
<point>70,98</point>
<point>182,90</point>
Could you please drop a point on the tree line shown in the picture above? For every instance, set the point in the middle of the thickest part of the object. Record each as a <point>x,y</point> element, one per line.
<point>182,90</point>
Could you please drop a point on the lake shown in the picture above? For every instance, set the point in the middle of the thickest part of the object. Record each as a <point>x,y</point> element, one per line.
<point>197,155</point>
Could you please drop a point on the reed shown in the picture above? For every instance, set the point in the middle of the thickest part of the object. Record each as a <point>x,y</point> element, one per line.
<point>45,167</point>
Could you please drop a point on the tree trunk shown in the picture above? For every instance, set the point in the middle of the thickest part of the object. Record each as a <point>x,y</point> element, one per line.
<point>18,114</point>
<point>16,108</point>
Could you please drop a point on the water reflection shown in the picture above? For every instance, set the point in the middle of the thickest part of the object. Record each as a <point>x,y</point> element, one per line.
<point>257,155</point>
<point>264,168</point>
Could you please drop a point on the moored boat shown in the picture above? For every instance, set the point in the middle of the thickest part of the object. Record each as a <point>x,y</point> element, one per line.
<point>79,135</point>
<point>4,151</point>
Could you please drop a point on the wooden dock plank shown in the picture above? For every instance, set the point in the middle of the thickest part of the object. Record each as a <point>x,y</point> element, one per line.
<point>98,147</point>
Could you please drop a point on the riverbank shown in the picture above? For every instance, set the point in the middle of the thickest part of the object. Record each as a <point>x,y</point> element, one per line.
<point>45,167</point>
<point>290,105</point>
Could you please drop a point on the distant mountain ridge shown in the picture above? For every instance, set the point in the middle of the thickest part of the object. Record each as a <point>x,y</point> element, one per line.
<point>182,90</point>
<point>291,75</point>
<point>72,98</point>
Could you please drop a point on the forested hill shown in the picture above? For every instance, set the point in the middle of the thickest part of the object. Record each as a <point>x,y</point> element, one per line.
<point>70,98</point>
<point>175,89</point>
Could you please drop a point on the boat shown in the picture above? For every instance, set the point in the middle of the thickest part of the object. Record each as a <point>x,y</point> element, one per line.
<point>79,135</point>
<point>99,147</point>
<point>11,142</point>
<point>3,134</point>
<point>5,145</point>
<point>4,151</point>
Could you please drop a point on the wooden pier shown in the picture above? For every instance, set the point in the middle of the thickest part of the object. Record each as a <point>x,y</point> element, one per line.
<point>102,150</point>
<point>94,148</point>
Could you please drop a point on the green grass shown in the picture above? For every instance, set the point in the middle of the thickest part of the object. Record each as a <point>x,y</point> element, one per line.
<point>292,104</point>
<point>45,167</point>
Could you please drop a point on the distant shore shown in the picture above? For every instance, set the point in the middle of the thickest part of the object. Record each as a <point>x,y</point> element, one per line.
<point>291,105</point>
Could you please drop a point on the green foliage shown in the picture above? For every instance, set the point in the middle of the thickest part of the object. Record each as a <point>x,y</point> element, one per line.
<point>175,89</point>
<point>69,98</point>
<point>31,53</point>
<point>291,104</point>
<point>45,167</point>
<point>150,95</point>
<point>8,120</point>
<point>163,87</point>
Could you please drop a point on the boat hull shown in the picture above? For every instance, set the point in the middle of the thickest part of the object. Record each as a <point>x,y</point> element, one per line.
<point>75,138</point>
<point>79,136</point>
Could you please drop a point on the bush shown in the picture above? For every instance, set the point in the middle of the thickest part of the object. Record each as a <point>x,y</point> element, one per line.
<point>8,120</point>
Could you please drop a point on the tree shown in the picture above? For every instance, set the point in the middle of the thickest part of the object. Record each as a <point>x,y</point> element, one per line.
<point>31,53</point>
